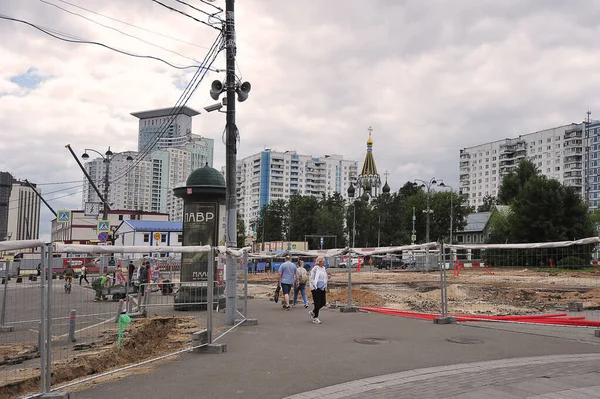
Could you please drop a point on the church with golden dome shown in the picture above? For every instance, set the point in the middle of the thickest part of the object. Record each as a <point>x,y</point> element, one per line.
<point>369,181</point>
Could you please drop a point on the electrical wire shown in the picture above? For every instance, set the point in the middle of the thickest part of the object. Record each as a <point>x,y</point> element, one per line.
<point>212,5</point>
<point>117,30</point>
<point>132,25</point>
<point>56,183</point>
<point>95,43</point>
<point>181,102</point>
<point>186,14</point>
<point>200,10</point>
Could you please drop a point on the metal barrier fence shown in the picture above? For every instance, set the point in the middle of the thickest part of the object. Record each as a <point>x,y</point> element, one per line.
<point>54,338</point>
<point>58,332</point>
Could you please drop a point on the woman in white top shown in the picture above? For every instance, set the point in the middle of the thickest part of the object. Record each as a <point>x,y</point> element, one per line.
<point>318,286</point>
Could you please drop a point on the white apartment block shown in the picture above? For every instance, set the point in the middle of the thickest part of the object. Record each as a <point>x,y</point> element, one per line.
<point>557,152</point>
<point>160,128</point>
<point>147,184</point>
<point>271,175</point>
<point>24,212</point>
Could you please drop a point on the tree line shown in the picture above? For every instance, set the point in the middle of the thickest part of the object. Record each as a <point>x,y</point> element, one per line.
<point>382,221</point>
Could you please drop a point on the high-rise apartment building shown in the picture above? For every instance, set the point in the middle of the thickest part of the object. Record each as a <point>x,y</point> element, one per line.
<point>6,181</point>
<point>558,153</point>
<point>161,128</point>
<point>23,212</point>
<point>147,185</point>
<point>592,157</point>
<point>271,175</point>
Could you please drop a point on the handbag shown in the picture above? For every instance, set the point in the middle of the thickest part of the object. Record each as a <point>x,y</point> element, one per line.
<point>276,295</point>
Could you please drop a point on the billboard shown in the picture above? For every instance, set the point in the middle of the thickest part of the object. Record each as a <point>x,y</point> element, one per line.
<point>200,227</point>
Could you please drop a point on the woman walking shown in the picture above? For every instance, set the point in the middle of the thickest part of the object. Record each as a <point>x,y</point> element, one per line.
<point>318,286</point>
<point>302,279</point>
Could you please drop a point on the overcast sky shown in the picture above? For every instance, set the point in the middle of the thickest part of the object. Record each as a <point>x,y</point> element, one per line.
<point>431,77</point>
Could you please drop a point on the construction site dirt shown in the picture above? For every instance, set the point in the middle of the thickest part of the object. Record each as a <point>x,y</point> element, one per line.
<point>514,291</point>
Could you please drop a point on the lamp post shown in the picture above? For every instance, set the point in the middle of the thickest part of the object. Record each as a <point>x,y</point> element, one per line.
<point>428,185</point>
<point>351,191</point>
<point>442,184</point>
<point>107,157</point>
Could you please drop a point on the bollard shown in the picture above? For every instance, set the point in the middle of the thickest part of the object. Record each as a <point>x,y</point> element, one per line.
<point>72,325</point>
<point>119,310</point>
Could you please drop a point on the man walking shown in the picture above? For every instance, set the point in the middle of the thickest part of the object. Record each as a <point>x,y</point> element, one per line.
<point>130,270</point>
<point>83,275</point>
<point>287,278</point>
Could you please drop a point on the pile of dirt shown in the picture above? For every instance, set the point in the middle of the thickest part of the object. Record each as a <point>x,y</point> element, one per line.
<point>17,353</point>
<point>360,297</point>
<point>144,339</point>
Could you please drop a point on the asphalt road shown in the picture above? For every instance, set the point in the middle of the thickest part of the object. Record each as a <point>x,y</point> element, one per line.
<point>23,309</point>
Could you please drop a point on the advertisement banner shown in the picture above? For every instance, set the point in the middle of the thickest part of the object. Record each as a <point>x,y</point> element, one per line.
<point>200,227</point>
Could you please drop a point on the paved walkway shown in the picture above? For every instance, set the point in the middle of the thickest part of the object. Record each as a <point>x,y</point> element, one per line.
<point>370,355</point>
<point>562,376</point>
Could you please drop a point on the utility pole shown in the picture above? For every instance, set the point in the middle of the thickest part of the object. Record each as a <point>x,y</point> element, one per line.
<point>414,232</point>
<point>230,159</point>
<point>106,183</point>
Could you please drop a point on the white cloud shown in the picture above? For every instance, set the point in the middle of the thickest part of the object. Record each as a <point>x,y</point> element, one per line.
<point>430,77</point>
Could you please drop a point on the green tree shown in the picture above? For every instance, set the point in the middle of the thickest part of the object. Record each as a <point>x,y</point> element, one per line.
<point>272,225</point>
<point>241,231</point>
<point>514,181</point>
<point>546,210</point>
<point>302,216</point>
<point>440,218</point>
<point>330,221</point>
<point>488,204</point>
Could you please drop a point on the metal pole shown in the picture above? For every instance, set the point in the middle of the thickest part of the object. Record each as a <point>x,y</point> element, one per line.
<point>414,232</point>
<point>68,146</point>
<point>40,197</point>
<point>427,225</point>
<point>210,281</point>
<point>353,224</point>
<point>72,317</point>
<point>378,230</point>
<point>6,276</point>
<point>43,323</point>
<point>349,281</point>
<point>49,265</point>
<point>230,160</point>
<point>442,284</point>
<point>451,214</point>
<point>106,183</point>
<point>245,262</point>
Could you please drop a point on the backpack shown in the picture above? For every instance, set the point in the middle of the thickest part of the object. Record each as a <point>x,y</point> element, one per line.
<point>303,275</point>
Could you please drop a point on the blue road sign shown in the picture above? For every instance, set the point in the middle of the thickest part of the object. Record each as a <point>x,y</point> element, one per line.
<point>103,237</point>
<point>103,225</point>
<point>63,216</point>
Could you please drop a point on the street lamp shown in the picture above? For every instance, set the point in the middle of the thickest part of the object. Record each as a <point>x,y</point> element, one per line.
<point>351,191</point>
<point>442,184</point>
<point>107,157</point>
<point>428,185</point>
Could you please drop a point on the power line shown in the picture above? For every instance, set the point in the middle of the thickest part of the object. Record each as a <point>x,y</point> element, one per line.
<point>181,102</point>
<point>117,30</point>
<point>185,14</point>
<point>96,43</point>
<point>212,5</point>
<point>199,10</point>
<point>132,25</point>
<point>57,183</point>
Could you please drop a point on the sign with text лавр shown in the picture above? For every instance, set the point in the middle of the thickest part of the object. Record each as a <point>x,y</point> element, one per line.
<point>200,227</point>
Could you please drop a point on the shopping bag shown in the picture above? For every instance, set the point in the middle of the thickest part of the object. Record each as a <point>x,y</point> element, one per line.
<point>276,295</point>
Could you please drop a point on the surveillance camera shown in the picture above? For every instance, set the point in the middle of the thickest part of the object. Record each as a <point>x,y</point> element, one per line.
<point>213,107</point>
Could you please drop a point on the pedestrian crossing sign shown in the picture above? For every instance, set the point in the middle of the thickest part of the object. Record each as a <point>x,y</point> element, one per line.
<point>103,226</point>
<point>63,216</point>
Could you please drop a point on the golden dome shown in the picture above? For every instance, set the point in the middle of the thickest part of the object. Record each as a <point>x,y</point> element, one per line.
<point>370,140</point>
